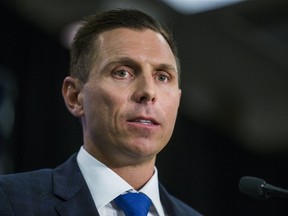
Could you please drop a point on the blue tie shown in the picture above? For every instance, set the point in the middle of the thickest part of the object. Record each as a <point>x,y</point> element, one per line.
<point>134,204</point>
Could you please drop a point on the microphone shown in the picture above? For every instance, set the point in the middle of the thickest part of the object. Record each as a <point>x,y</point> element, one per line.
<point>259,189</point>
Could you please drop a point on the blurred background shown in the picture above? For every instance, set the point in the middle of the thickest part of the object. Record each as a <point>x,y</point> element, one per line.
<point>233,119</point>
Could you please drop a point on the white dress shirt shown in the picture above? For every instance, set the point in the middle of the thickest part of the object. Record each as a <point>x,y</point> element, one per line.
<point>105,185</point>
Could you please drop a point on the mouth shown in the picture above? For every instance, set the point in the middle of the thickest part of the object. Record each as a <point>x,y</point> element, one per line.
<point>144,121</point>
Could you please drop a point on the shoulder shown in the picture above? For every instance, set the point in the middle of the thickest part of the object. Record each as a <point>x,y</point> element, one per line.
<point>19,192</point>
<point>29,180</point>
<point>38,179</point>
<point>25,177</point>
<point>175,206</point>
<point>38,192</point>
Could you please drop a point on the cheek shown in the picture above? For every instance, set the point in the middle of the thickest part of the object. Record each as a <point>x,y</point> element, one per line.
<point>171,105</point>
<point>102,105</point>
<point>171,110</point>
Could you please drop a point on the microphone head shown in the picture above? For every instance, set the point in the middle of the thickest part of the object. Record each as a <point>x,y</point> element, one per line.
<point>252,186</point>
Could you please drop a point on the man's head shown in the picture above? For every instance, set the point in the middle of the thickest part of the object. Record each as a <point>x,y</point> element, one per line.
<point>129,96</point>
<point>85,46</point>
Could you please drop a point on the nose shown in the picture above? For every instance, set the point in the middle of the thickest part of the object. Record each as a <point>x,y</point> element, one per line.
<point>145,91</point>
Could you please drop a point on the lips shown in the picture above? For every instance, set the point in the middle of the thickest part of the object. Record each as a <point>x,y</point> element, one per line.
<point>144,121</point>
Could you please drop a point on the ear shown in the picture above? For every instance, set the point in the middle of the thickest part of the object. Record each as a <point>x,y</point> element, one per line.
<point>72,94</point>
<point>180,93</point>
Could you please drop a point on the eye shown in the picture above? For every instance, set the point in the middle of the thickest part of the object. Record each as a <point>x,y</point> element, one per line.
<point>163,77</point>
<point>121,74</point>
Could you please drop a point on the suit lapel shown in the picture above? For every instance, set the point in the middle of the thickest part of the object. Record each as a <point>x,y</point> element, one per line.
<point>70,186</point>
<point>79,204</point>
<point>174,206</point>
<point>166,201</point>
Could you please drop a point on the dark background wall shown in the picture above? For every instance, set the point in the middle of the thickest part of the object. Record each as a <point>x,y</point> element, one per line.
<point>233,119</point>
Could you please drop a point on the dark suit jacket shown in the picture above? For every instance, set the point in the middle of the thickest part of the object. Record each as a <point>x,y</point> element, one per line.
<point>61,191</point>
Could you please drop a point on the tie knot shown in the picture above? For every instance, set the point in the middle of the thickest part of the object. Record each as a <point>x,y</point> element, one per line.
<point>134,204</point>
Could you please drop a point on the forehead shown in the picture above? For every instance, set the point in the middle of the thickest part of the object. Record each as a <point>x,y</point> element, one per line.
<point>146,45</point>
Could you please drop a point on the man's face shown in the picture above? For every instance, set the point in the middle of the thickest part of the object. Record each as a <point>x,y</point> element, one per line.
<point>131,98</point>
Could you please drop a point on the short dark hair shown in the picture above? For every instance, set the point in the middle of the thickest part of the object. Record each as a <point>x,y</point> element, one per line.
<point>84,45</point>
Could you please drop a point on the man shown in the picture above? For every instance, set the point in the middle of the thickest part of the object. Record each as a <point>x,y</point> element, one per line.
<point>124,88</point>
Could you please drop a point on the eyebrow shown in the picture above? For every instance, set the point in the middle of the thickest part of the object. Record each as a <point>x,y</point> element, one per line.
<point>167,67</point>
<point>132,62</point>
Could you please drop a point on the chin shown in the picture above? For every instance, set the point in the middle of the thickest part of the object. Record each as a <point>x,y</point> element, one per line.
<point>145,149</point>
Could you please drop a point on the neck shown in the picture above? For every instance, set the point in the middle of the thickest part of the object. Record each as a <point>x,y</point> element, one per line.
<point>136,170</point>
<point>136,175</point>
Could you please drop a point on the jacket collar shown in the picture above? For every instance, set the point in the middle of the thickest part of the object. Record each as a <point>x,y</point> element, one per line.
<point>70,186</point>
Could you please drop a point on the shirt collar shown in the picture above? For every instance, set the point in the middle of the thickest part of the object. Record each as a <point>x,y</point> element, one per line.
<point>105,185</point>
